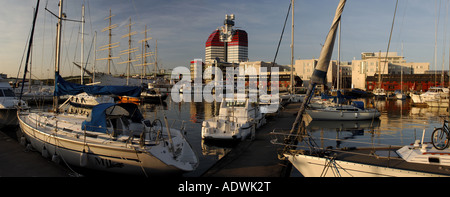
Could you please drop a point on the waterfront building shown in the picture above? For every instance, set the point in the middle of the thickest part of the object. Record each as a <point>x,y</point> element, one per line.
<point>388,64</point>
<point>305,67</point>
<point>214,48</point>
<point>238,47</point>
<point>284,72</point>
<point>407,82</point>
<point>227,44</point>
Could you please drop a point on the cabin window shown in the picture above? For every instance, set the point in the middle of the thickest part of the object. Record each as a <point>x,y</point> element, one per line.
<point>1,93</point>
<point>433,160</point>
<point>8,93</point>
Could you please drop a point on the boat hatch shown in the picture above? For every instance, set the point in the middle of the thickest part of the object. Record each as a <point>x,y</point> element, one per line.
<point>434,160</point>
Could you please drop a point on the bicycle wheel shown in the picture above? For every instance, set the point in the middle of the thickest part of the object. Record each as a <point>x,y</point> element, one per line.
<point>439,138</point>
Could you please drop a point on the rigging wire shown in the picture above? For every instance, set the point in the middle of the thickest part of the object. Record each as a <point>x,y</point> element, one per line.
<point>282,33</point>
<point>390,36</point>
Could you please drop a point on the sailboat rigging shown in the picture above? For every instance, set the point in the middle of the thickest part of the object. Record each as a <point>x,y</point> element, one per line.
<point>111,137</point>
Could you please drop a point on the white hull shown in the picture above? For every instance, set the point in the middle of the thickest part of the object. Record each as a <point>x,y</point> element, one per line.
<point>236,120</point>
<point>417,99</point>
<point>323,114</point>
<point>102,153</point>
<point>438,103</point>
<point>310,166</point>
<point>224,130</point>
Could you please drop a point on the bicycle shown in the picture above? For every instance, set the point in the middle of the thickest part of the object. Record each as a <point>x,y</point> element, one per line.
<point>440,137</point>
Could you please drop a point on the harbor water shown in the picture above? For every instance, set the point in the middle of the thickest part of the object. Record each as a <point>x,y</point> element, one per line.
<point>399,124</point>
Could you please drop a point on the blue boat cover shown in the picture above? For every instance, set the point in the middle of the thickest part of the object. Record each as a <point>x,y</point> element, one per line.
<point>67,88</point>
<point>358,104</point>
<point>99,115</point>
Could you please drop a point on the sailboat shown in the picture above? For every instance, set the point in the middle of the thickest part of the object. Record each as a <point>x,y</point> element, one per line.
<point>113,137</point>
<point>355,111</point>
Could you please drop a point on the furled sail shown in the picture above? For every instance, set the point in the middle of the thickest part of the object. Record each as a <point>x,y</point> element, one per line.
<point>67,88</point>
<point>320,72</point>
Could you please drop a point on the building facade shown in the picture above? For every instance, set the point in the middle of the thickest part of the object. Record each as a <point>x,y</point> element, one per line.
<point>237,49</point>
<point>372,64</point>
<point>214,48</point>
<point>305,68</point>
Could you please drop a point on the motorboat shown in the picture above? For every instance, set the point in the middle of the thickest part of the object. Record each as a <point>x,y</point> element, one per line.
<point>270,104</point>
<point>434,97</point>
<point>160,84</point>
<point>399,95</point>
<point>379,93</point>
<point>150,95</point>
<point>88,101</point>
<point>237,120</point>
<point>38,94</point>
<point>355,111</point>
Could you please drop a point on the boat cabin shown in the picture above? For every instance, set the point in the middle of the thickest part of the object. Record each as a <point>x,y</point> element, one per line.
<point>115,119</point>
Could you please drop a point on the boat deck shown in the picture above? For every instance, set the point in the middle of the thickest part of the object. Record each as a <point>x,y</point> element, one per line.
<point>388,157</point>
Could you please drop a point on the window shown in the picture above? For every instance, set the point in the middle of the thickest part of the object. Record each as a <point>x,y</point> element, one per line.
<point>8,93</point>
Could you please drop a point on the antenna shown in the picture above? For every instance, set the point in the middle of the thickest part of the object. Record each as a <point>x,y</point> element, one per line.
<point>227,32</point>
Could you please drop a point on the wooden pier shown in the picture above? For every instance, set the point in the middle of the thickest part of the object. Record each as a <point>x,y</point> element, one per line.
<point>257,158</point>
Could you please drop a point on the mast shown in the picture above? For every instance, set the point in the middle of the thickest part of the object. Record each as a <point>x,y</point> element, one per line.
<point>379,69</point>
<point>292,50</point>
<point>318,77</point>
<point>339,58</point>
<point>29,49</point>
<point>95,57</point>
<point>144,54</point>
<point>156,57</point>
<point>58,52</point>
<point>109,39</point>
<point>110,45</point>
<point>129,50</point>
<point>82,45</point>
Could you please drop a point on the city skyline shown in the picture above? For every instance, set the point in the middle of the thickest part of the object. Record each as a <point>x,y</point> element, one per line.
<point>182,28</point>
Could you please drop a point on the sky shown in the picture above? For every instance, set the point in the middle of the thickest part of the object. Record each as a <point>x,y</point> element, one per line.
<point>182,27</point>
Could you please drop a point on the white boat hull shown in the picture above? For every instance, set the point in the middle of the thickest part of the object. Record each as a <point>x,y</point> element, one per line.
<point>311,166</point>
<point>126,160</point>
<point>224,130</point>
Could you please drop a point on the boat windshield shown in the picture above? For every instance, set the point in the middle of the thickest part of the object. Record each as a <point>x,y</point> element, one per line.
<point>235,104</point>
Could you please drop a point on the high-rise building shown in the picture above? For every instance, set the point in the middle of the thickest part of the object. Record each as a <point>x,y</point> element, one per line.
<point>238,47</point>
<point>227,44</point>
<point>214,47</point>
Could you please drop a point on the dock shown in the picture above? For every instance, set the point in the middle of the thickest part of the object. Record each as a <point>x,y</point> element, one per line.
<point>257,158</point>
<point>18,161</point>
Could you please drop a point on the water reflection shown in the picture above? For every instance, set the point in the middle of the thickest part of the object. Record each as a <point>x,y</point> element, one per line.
<point>398,125</point>
<point>188,116</point>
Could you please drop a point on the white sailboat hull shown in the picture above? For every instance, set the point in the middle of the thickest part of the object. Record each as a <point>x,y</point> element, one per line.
<point>100,156</point>
<point>311,166</point>
<point>323,114</point>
